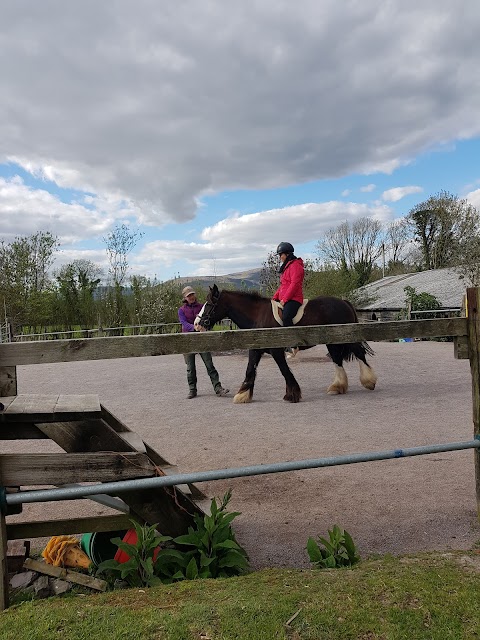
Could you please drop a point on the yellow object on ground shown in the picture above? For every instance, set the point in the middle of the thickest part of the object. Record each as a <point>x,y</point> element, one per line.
<point>64,551</point>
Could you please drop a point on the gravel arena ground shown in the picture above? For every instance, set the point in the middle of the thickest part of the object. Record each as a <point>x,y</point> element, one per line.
<point>400,506</point>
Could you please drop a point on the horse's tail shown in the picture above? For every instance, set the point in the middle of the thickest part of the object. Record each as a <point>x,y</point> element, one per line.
<point>351,350</point>
<point>357,349</point>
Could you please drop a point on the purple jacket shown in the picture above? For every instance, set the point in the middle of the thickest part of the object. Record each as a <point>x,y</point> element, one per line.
<point>187,314</point>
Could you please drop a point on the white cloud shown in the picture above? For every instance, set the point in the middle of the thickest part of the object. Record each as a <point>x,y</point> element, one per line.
<point>238,242</point>
<point>24,211</point>
<point>155,105</point>
<point>474,198</point>
<point>397,193</point>
<point>367,188</point>
<point>345,193</point>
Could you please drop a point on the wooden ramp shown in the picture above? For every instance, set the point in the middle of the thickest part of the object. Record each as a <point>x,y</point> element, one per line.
<point>98,448</point>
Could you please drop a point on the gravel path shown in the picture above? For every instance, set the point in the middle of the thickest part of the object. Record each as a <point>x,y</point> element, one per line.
<point>395,506</point>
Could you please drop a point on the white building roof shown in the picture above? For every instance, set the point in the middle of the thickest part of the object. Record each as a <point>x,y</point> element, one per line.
<point>388,292</point>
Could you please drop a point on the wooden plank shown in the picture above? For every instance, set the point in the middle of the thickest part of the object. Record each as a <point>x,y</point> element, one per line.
<point>20,431</point>
<point>28,469</point>
<point>3,564</point>
<point>156,345</point>
<point>17,552</point>
<point>6,401</point>
<point>65,574</point>
<point>165,505</point>
<point>460,348</point>
<point>32,403</point>
<point>8,380</point>
<point>473,304</point>
<point>86,403</point>
<point>82,436</point>
<point>71,526</point>
<point>51,408</point>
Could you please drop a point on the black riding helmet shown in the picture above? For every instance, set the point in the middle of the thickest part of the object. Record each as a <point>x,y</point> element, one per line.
<point>285,247</point>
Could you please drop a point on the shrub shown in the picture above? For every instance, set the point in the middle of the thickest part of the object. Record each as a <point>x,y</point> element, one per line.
<point>338,551</point>
<point>139,570</point>
<point>214,552</point>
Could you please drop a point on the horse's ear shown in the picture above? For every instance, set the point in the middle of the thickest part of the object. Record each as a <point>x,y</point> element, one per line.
<point>215,290</point>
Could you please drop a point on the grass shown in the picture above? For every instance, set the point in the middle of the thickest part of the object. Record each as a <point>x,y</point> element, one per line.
<point>428,596</point>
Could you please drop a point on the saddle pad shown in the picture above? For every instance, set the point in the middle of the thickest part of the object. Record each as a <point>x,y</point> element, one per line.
<point>275,310</point>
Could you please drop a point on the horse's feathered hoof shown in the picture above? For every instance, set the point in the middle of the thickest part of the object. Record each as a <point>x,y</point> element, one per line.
<point>336,390</point>
<point>242,397</point>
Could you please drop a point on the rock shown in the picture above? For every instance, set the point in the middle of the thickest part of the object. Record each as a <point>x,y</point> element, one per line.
<point>23,580</point>
<point>59,586</point>
<point>42,587</point>
<point>120,584</point>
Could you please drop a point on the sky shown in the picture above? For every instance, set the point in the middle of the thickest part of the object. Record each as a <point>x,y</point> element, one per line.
<point>217,129</point>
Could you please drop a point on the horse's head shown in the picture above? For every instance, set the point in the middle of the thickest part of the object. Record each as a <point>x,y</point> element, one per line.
<point>213,309</point>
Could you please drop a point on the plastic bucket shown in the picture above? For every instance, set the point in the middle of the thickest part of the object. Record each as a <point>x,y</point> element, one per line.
<point>131,538</point>
<point>98,546</point>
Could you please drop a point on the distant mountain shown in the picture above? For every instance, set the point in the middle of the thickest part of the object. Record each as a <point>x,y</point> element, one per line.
<point>249,279</point>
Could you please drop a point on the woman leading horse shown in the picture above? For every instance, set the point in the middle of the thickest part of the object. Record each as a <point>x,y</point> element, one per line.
<point>252,311</point>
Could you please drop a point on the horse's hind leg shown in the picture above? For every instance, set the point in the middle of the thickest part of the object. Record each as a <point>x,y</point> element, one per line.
<point>340,380</point>
<point>368,377</point>
<point>245,393</point>
<point>293,392</point>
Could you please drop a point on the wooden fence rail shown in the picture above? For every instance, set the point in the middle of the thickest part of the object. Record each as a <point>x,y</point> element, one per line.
<point>12,354</point>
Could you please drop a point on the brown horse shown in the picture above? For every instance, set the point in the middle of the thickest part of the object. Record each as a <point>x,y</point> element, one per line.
<point>252,311</point>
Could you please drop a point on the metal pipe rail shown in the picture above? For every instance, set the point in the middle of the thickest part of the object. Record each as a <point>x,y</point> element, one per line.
<point>113,488</point>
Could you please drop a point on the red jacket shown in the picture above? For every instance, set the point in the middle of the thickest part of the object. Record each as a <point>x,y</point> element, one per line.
<point>291,282</point>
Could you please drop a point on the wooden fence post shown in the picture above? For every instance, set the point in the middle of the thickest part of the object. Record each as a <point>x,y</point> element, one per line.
<point>473,328</point>
<point>8,381</point>
<point>3,564</point>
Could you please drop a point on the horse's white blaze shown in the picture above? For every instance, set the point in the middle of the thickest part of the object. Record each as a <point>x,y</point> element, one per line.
<point>242,397</point>
<point>368,377</point>
<point>340,382</point>
<point>199,316</point>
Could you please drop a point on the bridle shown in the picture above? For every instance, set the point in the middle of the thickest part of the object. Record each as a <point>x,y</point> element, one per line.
<point>208,312</point>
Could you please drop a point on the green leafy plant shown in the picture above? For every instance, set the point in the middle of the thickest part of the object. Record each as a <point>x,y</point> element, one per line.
<point>139,570</point>
<point>338,551</point>
<point>208,550</point>
<point>214,551</point>
<point>422,301</point>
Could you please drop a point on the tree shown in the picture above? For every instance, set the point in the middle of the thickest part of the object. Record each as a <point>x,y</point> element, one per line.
<point>120,242</point>
<point>440,226</point>
<point>397,246</point>
<point>24,276</point>
<point>353,248</point>
<point>77,283</point>
<point>468,264</point>
<point>269,277</point>
<point>420,302</point>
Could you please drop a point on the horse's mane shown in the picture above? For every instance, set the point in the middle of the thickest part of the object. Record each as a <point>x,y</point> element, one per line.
<point>254,296</point>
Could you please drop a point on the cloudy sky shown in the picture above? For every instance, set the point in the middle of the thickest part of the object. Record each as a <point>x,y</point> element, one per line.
<point>220,128</point>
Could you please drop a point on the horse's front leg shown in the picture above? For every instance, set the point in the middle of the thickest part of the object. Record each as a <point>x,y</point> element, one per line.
<point>245,393</point>
<point>293,392</point>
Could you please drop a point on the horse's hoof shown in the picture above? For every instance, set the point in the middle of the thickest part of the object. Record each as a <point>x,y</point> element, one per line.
<point>243,397</point>
<point>370,386</point>
<point>292,399</point>
<point>335,391</point>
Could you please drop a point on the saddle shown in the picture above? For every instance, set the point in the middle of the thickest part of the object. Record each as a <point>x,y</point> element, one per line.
<point>277,308</point>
